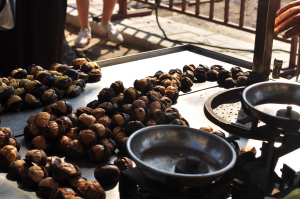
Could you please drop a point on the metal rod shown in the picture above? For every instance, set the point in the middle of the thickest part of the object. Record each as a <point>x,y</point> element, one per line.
<point>242,13</point>
<point>226,12</point>
<point>211,9</point>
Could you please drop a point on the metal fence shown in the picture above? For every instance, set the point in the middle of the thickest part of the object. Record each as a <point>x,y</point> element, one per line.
<point>170,5</point>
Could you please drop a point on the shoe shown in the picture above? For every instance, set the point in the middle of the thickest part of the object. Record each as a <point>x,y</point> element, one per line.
<point>111,33</point>
<point>84,37</point>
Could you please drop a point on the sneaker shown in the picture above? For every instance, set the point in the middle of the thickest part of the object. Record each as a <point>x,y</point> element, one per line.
<point>84,37</point>
<point>111,33</point>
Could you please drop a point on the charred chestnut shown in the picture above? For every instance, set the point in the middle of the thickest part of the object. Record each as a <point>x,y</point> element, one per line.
<point>52,130</point>
<point>235,70</point>
<point>49,97</point>
<point>120,119</point>
<point>36,156</point>
<point>143,85</point>
<point>63,108</point>
<point>6,92</point>
<point>118,133</point>
<point>98,112</point>
<point>123,163</point>
<point>106,94</point>
<point>18,73</point>
<point>18,167</point>
<point>219,133</point>
<point>88,137</point>
<point>118,87</point>
<point>76,150</point>
<point>141,114</point>
<point>31,101</point>
<point>82,110</point>
<point>186,83</point>
<point>242,81</point>
<point>83,76</point>
<point>130,95</point>
<point>31,131</point>
<point>91,189</point>
<point>133,126</point>
<point>50,80</point>
<point>62,193</point>
<point>73,91</point>
<point>105,120</point>
<point>8,154</point>
<point>76,181</point>
<point>35,88</point>
<point>41,75</point>
<point>95,75</point>
<point>34,176</point>
<point>99,153</point>
<point>4,139</point>
<point>212,75</point>
<point>73,133</point>
<point>63,82</point>
<point>200,74</point>
<point>109,107</point>
<point>59,67</point>
<point>15,103</point>
<point>79,82</point>
<point>33,69</point>
<point>229,83</point>
<point>64,171</point>
<point>41,119</point>
<point>207,128</point>
<point>78,62</point>
<point>72,73</point>
<point>85,120</point>
<point>172,93</point>
<point>248,148</point>
<point>46,186</point>
<point>107,174</point>
<point>107,142</point>
<point>21,92</point>
<point>101,130</point>
<point>40,142</point>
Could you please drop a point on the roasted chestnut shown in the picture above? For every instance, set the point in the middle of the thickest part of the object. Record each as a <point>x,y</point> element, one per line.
<point>118,133</point>
<point>141,114</point>
<point>200,74</point>
<point>73,133</point>
<point>120,119</point>
<point>8,154</point>
<point>66,122</point>
<point>91,189</point>
<point>84,121</point>
<point>62,108</point>
<point>62,193</point>
<point>123,163</point>
<point>52,130</point>
<point>64,171</point>
<point>172,93</point>
<point>105,120</point>
<point>76,149</point>
<point>82,110</point>
<point>95,75</point>
<point>78,62</point>
<point>143,85</point>
<point>50,80</point>
<point>6,92</point>
<point>4,139</point>
<point>107,174</point>
<point>87,66</point>
<point>59,92</point>
<point>242,81</point>
<point>212,75</point>
<point>133,126</point>
<point>18,73</point>
<point>31,101</point>
<point>42,118</point>
<point>76,181</point>
<point>101,130</point>
<point>40,142</point>
<point>190,67</point>
<point>186,83</point>
<point>71,73</point>
<point>21,92</point>
<point>106,94</point>
<point>207,128</point>
<point>34,176</point>
<point>18,167</point>
<point>219,133</point>
<point>73,91</point>
<point>35,88</point>
<point>41,75</point>
<point>118,87</point>
<point>99,153</point>
<point>107,142</point>
<point>31,131</point>
<point>235,70</point>
<point>63,82</point>
<point>98,112</point>
<point>79,82</point>
<point>36,156</point>
<point>88,137</point>
<point>46,186</point>
<point>15,103</point>
<point>49,97</point>
<point>229,82</point>
<point>248,148</point>
<point>130,95</point>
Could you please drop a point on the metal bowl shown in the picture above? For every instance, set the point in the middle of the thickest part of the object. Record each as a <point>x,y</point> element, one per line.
<point>268,100</point>
<point>157,149</point>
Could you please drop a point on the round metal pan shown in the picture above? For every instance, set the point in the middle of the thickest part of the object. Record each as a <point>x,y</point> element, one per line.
<point>157,149</point>
<point>264,100</point>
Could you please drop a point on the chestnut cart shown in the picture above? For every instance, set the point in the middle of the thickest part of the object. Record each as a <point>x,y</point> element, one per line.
<point>128,69</point>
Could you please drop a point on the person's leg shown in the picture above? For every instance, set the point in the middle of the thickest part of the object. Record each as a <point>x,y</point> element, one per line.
<point>108,7</point>
<point>106,27</point>
<point>84,36</point>
<point>83,12</point>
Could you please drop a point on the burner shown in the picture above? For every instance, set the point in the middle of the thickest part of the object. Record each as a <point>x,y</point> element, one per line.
<point>191,165</point>
<point>288,113</point>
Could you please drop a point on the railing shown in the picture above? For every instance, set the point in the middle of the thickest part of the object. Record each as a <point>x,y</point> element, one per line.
<point>225,21</point>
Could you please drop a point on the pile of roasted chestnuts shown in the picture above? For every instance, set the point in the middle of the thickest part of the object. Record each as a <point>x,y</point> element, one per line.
<point>51,176</point>
<point>31,87</point>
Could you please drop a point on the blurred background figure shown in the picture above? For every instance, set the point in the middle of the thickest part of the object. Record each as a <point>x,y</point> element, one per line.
<point>37,37</point>
<point>288,20</point>
<point>106,28</point>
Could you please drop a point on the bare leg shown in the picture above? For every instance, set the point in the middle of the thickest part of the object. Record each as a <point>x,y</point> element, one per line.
<point>108,7</point>
<point>83,12</point>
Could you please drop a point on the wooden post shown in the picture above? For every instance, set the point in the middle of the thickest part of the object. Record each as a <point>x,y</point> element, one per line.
<point>264,36</point>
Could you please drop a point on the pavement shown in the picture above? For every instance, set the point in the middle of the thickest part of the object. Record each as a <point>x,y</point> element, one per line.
<point>145,34</point>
